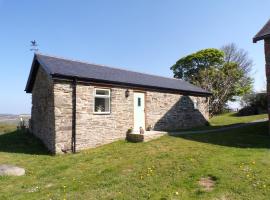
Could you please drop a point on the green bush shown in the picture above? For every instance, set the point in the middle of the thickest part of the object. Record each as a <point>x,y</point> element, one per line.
<point>254,103</point>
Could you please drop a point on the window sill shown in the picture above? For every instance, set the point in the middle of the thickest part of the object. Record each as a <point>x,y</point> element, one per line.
<point>101,113</point>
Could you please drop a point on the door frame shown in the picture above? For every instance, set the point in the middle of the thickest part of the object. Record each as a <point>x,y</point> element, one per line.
<point>144,92</point>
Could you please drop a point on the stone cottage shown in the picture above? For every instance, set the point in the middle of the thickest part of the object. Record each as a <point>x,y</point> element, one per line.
<point>264,34</point>
<point>78,105</point>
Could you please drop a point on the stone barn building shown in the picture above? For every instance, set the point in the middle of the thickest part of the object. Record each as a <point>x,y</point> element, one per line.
<point>78,105</point>
<point>264,34</point>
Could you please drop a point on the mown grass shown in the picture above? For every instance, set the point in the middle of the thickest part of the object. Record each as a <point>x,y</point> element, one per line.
<point>166,168</point>
<point>233,118</point>
<point>226,120</point>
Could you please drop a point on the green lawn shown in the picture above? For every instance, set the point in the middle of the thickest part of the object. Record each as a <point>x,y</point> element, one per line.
<point>232,118</point>
<point>226,120</point>
<point>166,168</point>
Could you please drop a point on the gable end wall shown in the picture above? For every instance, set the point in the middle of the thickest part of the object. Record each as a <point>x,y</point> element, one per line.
<point>42,114</point>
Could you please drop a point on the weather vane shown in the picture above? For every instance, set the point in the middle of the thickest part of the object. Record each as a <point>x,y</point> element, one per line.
<point>34,46</point>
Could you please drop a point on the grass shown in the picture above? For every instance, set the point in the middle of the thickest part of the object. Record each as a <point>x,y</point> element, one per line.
<point>166,168</point>
<point>5,128</point>
<point>227,119</point>
<point>232,118</point>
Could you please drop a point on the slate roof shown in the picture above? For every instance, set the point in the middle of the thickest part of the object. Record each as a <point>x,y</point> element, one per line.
<point>69,69</point>
<point>263,33</point>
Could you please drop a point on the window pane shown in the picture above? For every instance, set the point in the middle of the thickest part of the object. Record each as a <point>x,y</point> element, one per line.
<point>195,104</point>
<point>102,92</point>
<point>139,102</point>
<point>102,104</point>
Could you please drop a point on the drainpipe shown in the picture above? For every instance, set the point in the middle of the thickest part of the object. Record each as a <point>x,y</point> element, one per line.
<point>73,139</point>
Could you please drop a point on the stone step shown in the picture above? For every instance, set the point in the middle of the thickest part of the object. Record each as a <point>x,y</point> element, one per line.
<point>147,136</point>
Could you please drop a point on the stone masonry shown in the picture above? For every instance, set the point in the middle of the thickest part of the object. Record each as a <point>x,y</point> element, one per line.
<point>42,117</point>
<point>267,69</point>
<point>91,129</point>
<point>52,113</point>
<point>163,112</point>
<point>63,116</point>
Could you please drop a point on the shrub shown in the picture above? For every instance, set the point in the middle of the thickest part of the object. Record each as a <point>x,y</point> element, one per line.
<point>248,110</point>
<point>254,103</point>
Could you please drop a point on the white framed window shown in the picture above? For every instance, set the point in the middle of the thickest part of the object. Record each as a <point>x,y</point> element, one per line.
<point>196,104</point>
<point>102,101</point>
<point>184,102</point>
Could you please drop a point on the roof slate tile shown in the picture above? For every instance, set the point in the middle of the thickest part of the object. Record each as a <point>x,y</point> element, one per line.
<point>83,70</point>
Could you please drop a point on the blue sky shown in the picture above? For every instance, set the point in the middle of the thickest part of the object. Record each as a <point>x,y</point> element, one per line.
<point>141,35</point>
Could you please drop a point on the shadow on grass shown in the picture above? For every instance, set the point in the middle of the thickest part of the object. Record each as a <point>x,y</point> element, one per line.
<point>21,142</point>
<point>252,136</point>
<point>208,127</point>
<point>236,114</point>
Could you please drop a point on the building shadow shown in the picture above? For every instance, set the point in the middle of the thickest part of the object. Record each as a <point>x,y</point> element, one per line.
<point>251,136</point>
<point>21,142</point>
<point>183,114</point>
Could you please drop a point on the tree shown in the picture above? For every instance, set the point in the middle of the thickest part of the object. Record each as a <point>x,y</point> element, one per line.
<point>222,82</point>
<point>221,72</point>
<point>187,67</point>
<point>239,56</point>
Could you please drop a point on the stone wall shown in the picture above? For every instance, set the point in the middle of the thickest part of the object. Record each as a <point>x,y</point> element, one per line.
<point>97,129</point>
<point>42,117</point>
<point>63,116</point>
<point>165,111</point>
<point>91,129</point>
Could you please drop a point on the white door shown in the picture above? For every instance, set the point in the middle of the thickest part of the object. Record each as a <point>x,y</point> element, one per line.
<point>138,112</point>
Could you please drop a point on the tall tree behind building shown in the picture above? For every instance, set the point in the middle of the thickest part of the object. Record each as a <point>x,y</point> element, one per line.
<point>224,72</point>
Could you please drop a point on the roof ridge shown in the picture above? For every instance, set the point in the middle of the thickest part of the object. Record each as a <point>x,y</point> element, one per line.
<point>101,65</point>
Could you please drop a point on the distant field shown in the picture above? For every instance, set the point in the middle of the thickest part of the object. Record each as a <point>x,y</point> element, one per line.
<point>13,119</point>
<point>5,128</point>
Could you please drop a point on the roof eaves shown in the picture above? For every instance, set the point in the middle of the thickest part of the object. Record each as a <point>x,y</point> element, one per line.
<point>258,38</point>
<point>30,77</point>
<point>264,33</point>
